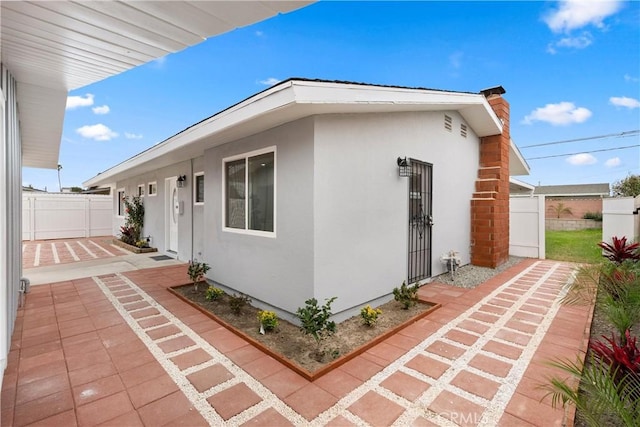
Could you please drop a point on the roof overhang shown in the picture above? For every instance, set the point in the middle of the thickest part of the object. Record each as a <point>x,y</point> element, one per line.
<point>517,187</point>
<point>52,47</point>
<point>517,164</point>
<point>295,99</point>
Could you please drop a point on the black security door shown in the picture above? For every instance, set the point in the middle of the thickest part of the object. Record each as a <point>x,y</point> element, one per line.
<point>420,221</point>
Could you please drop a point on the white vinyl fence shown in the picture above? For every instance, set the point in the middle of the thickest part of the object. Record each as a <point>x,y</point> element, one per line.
<point>620,218</point>
<point>527,227</point>
<point>60,216</point>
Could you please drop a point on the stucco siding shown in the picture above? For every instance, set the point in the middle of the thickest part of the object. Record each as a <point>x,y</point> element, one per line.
<point>277,270</point>
<point>360,224</point>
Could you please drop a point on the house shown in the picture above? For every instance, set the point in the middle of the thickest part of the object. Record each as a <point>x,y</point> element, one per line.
<point>315,189</point>
<point>579,198</point>
<point>50,48</point>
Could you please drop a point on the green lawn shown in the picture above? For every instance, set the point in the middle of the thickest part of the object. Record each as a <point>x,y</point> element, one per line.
<point>574,246</point>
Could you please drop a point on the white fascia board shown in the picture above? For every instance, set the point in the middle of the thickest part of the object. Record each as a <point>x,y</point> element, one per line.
<point>517,164</point>
<point>292,100</point>
<point>522,184</point>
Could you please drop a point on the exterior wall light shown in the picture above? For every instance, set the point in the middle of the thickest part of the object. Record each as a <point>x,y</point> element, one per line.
<point>404,167</point>
<point>182,180</point>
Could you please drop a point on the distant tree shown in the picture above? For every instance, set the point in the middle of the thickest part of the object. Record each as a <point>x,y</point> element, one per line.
<point>560,209</point>
<point>628,187</point>
<point>76,189</point>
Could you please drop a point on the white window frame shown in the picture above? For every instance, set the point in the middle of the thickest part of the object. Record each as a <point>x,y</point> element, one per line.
<point>149,193</point>
<point>271,234</point>
<point>195,189</point>
<point>119,201</point>
<point>141,193</point>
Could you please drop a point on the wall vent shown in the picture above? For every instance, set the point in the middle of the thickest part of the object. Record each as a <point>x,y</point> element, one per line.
<point>463,130</point>
<point>448,123</point>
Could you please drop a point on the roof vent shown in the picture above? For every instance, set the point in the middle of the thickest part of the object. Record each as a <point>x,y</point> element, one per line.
<point>448,123</point>
<point>493,91</point>
<point>463,130</point>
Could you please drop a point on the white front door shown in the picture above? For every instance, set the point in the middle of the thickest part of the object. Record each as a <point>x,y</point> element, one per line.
<point>172,211</point>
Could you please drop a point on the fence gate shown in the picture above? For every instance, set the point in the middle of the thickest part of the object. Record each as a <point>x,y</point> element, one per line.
<point>420,221</point>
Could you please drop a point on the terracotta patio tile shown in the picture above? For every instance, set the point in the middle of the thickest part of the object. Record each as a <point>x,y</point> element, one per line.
<point>98,389</point>
<point>534,412</point>
<point>340,421</point>
<point>514,337</point>
<point>133,360</point>
<point>528,317</point>
<point>105,320</point>
<point>42,408</point>
<point>527,328</point>
<point>284,382</point>
<point>83,360</point>
<point>375,409</point>
<point>385,352</point>
<point>244,355</point>
<point>63,419</point>
<point>41,388</point>
<point>310,400</point>
<point>149,311</point>
<point>191,358</point>
<point>476,384</point>
<point>152,321</point>
<point>223,340</point>
<point>163,331</point>
<point>205,326</point>
<point>445,350</point>
<point>361,368</point>
<point>405,385</point>
<point>338,382</point>
<point>37,349</point>
<point>473,326</point>
<point>190,419</point>
<point>502,349</point>
<point>484,317</point>
<point>492,309</point>
<point>209,377</point>
<point>175,344</point>
<point>269,417</point>
<point>461,337</point>
<point>123,350</point>
<point>501,302</point>
<point>490,365</point>
<point>42,371</point>
<point>423,422</point>
<point>402,341</point>
<point>508,420</point>
<point>421,329</point>
<point>263,367</point>
<point>136,305</point>
<point>27,363</point>
<point>39,339</point>
<point>105,409</point>
<point>151,390</point>
<point>535,309</point>
<point>129,419</point>
<point>428,366</point>
<point>233,400</point>
<point>457,409</point>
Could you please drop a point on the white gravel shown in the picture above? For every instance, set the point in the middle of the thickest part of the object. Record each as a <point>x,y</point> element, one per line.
<point>470,276</point>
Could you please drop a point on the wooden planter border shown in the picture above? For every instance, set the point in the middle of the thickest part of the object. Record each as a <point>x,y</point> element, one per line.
<point>311,376</point>
<point>132,248</point>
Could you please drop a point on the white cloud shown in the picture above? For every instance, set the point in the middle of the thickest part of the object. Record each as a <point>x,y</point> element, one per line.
<point>579,42</point>
<point>260,33</point>
<point>104,109</point>
<point>623,101</point>
<point>270,81</point>
<point>613,162</point>
<point>562,113</point>
<point>97,132</point>
<point>628,78</point>
<point>74,102</point>
<point>129,135</point>
<point>573,14</point>
<point>582,159</point>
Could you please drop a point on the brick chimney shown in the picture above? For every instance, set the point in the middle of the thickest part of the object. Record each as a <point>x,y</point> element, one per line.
<point>490,202</point>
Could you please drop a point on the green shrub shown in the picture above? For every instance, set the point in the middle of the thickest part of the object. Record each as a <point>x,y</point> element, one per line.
<point>196,272</point>
<point>268,320</point>
<point>315,320</point>
<point>370,315</point>
<point>213,293</point>
<point>596,216</point>
<point>406,295</point>
<point>238,302</point>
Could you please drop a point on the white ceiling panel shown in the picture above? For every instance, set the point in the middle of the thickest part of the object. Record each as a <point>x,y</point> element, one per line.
<point>52,47</point>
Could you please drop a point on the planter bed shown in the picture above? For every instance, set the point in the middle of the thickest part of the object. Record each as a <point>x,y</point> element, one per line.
<point>134,249</point>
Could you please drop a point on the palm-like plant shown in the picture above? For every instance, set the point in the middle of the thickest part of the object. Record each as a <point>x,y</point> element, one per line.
<point>560,209</point>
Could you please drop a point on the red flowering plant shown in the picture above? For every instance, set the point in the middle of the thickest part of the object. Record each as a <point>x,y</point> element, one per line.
<point>131,231</point>
<point>619,250</point>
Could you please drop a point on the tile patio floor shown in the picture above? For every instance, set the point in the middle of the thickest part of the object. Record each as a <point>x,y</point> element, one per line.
<point>120,350</point>
<point>42,253</point>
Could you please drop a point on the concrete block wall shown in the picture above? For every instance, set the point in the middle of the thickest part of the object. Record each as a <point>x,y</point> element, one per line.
<point>564,224</point>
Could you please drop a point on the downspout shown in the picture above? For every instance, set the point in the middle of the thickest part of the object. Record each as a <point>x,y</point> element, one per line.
<point>193,185</point>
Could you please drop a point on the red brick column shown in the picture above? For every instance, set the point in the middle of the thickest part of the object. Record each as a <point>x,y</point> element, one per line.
<point>490,202</point>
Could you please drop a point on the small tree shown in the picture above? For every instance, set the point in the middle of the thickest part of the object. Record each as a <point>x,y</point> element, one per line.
<point>315,320</point>
<point>196,272</point>
<point>561,209</point>
<point>628,187</point>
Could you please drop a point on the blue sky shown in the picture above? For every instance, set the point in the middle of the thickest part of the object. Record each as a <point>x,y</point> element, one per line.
<point>571,70</point>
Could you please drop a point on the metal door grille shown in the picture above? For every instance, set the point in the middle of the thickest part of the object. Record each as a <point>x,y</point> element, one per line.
<point>420,221</point>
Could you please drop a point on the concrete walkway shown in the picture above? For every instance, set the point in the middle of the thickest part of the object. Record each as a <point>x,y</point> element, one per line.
<point>118,349</point>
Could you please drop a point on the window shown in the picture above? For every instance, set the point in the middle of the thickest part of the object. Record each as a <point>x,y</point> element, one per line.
<point>198,188</point>
<point>141,190</point>
<point>120,202</point>
<point>153,189</point>
<point>249,197</point>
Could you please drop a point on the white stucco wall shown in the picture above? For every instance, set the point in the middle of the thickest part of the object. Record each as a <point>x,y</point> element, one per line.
<point>361,204</point>
<point>274,270</point>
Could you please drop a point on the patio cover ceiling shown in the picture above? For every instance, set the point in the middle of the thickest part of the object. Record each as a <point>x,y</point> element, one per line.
<point>52,47</point>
